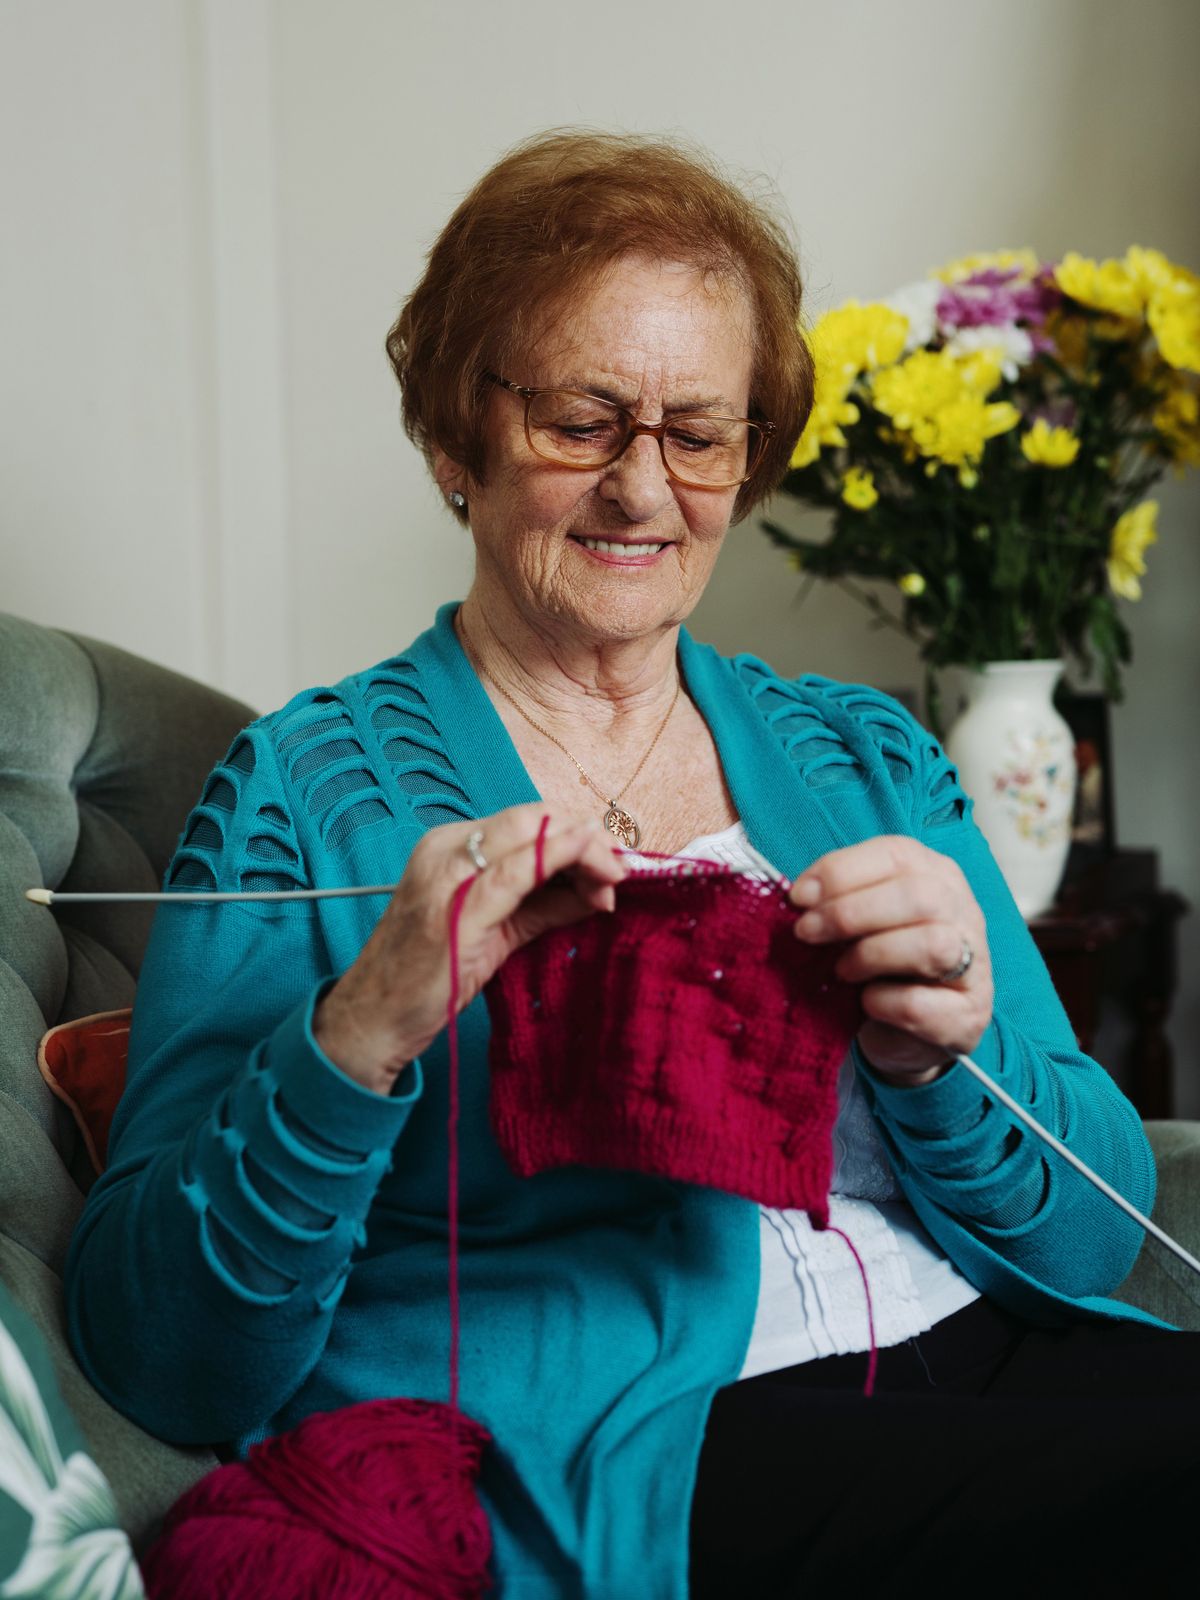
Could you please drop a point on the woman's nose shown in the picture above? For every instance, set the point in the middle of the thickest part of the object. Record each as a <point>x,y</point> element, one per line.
<point>637,480</point>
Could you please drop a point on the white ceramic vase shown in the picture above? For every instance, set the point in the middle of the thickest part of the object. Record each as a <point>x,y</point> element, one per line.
<point>1016,758</point>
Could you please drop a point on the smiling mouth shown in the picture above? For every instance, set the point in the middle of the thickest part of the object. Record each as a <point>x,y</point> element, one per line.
<point>619,547</point>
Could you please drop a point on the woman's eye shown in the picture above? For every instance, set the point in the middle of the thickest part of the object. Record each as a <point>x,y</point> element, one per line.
<point>585,430</point>
<point>693,442</point>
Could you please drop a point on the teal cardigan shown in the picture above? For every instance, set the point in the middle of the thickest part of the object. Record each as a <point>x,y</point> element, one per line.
<point>270,1239</point>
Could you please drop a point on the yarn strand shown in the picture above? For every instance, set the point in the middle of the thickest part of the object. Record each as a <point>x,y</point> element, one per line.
<point>873,1351</point>
<point>539,851</point>
<point>456,908</point>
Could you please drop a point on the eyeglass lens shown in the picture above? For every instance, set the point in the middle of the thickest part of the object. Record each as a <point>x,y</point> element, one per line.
<point>583,431</point>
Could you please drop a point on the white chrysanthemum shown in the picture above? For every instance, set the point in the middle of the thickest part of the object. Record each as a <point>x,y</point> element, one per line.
<point>1013,344</point>
<point>918,303</point>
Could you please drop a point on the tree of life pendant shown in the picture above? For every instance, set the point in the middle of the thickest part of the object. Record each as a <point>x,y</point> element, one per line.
<point>621,824</point>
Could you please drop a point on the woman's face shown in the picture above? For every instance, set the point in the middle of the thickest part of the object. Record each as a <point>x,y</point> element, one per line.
<point>657,338</point>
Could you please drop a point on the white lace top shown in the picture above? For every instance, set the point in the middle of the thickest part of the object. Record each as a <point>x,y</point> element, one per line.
<point>810,1298</point>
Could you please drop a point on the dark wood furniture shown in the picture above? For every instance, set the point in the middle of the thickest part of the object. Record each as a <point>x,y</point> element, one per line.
<point>1110,945</point>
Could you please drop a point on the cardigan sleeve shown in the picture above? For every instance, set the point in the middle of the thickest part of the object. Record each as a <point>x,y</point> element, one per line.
<point>203,1276</point>
<point>964,1160</point>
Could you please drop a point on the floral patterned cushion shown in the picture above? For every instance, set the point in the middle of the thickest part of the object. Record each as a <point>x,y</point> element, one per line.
<point>58,1526</point>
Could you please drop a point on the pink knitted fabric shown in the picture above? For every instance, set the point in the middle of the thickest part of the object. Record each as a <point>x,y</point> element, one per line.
<point>689,1034</point>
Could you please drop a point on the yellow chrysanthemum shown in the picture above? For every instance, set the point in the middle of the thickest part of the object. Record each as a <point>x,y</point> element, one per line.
<point>1174,315</point>
<point>1177,419</point>
<point>940,402</point>
<point>831,413</point>
<point>1151,271</point>
<point>1103,285</point>
<point>1134,532</point>
<point>862,337</point>
<point>912,584</point>
<point>846,342</point>
<point>1049,447</point>
<point>1002,260</point>
<point>858,489</point>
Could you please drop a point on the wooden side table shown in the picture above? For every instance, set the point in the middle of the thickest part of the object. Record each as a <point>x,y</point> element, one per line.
<point>1111,939</point>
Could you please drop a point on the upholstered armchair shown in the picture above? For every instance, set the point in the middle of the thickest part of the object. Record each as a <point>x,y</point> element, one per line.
<point>102,755</point>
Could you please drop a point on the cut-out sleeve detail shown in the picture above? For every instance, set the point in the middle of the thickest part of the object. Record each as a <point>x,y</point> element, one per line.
<point>243,1163</point>
<point>233,842</point>
<point>846,742</point>
<point>368,756</point>
<point>914,758</point>
<point>945,798</point>
<point>252,1165</point>
<point>412,747</point>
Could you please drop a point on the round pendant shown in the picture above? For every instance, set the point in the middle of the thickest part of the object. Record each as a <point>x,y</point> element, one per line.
<point>622,825</point>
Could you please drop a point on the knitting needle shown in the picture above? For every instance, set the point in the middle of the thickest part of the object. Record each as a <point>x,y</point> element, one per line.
<point>1080,1166</point>
<point>50,897</point>
<point>57,897</point>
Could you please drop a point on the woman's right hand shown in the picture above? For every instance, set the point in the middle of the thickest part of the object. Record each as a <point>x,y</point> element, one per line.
<point>389,1006</point>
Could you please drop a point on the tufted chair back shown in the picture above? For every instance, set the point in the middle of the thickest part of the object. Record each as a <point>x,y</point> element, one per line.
<point>102,754</point>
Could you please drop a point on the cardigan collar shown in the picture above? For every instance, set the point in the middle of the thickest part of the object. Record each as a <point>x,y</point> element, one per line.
<point>783,818</point>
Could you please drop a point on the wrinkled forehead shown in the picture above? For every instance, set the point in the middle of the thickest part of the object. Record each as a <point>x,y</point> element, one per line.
<point>647,323</point>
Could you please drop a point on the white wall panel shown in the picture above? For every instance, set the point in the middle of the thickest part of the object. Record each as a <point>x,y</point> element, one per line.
<point>103,523</point>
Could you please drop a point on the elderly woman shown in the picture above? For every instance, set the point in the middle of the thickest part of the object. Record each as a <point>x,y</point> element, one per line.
<point>603,367</point>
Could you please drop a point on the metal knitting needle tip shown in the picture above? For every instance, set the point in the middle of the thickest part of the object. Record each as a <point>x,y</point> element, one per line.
<point>1081,1167</point>
<point>56,897</point>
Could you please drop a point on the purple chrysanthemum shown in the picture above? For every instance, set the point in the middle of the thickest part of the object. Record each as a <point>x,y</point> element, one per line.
<point>998,297</point>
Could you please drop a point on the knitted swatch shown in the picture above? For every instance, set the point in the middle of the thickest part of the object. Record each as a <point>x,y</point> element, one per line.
<point>690,1035</point>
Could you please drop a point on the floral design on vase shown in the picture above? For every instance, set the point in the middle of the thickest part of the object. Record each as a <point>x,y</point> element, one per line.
<point>1016,756</point>
<point>1037,785</point>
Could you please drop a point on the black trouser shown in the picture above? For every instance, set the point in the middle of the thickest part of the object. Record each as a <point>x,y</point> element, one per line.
<point>993,1458</point>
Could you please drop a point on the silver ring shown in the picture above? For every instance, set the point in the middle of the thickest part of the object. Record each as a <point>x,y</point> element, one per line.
<point>474,840</point>
<point>964,962</point>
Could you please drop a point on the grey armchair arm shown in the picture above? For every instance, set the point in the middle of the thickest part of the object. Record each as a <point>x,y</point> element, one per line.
<point>102,754</point>
<point>1159,1282</point>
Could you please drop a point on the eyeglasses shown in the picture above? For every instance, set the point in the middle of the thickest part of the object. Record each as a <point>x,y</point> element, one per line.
<point>580,430</point>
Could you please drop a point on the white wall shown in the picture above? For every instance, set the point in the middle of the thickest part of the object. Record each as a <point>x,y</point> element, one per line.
<point>213,210</point>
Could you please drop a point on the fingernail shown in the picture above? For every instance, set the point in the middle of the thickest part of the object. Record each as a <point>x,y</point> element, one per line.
<point>806,891</point>
<point>810,925</point>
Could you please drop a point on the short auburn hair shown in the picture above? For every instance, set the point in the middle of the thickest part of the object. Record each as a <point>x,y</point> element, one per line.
<point>542,226</point>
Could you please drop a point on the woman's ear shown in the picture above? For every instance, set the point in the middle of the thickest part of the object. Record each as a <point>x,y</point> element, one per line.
<point>451,479</point>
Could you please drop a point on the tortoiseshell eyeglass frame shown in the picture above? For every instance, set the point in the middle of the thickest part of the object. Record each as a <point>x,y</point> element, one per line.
<point>759,433</point>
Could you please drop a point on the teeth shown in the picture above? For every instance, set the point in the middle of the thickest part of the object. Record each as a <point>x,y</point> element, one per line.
<point>606,548</point>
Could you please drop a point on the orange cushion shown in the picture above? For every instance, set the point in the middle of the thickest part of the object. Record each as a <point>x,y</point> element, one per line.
<point>84,1064</point>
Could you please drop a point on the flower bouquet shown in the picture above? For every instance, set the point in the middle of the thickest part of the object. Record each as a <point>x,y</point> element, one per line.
<point>986,438</point>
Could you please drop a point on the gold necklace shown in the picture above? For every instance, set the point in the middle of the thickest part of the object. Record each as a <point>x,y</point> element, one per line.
<point>619,822</point>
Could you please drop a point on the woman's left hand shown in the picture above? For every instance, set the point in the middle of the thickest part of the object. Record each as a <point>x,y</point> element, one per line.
<point>909,919</point>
